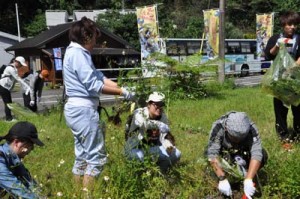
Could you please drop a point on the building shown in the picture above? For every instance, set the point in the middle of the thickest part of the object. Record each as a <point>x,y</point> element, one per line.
<point>111,51</point>
<point>7,40</point>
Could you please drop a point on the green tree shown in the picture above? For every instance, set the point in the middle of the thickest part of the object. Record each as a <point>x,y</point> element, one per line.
<point>123,25</point>
<point>37,26</point>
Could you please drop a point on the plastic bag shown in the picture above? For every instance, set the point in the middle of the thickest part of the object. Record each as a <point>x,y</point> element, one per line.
<point>282,80</point>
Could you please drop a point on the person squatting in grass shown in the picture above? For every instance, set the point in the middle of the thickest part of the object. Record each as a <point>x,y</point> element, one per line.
<point>289,22</point>
<point>7,83</point>
<point>83,86</point>
<point>36,82</point>
<point>149,133</point>
<point>15,179</point>
<point>235,139</point>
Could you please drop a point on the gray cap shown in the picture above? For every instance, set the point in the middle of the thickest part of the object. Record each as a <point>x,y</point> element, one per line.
<point>238,125</point>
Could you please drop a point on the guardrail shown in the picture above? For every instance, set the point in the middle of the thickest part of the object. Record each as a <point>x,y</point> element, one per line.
<point>231,72</point>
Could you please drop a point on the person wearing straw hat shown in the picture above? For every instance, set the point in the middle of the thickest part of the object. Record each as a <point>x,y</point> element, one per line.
<point>149,130</point>
<point>15,179</point>
<point>7,83</point>
<point>36,82</point>
<point>234,138</point>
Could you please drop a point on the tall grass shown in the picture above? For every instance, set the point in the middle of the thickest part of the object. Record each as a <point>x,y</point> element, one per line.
<point>190,123</point>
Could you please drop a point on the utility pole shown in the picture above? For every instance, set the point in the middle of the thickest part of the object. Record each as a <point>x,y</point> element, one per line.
<point>221,69</point>
<point>17,14</point>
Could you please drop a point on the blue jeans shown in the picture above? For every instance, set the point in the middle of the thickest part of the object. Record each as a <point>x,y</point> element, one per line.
<point>90,155</point>
<point>164,160</point>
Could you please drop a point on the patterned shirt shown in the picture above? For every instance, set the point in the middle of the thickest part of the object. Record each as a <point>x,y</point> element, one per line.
<point>14,177</point>
<point>218,141</point>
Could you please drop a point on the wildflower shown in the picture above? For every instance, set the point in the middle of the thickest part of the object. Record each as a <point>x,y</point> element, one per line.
<point>59,194</point>
<point>62,161</point>
<point>106,178</point>
<point>85,189</point>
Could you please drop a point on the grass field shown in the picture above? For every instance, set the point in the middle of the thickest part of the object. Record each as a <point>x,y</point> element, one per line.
<point>190,123</point>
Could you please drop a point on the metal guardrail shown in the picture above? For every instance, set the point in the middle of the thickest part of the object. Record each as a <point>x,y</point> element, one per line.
<point>227,73</point>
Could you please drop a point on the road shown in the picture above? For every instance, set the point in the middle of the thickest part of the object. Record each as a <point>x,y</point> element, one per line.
<point>51,97</point>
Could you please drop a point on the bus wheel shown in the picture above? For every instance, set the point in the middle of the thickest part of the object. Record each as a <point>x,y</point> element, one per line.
<point>244,70</point>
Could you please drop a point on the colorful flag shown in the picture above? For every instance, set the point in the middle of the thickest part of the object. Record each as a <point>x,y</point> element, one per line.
<point>211,25</point>
<point>264,30</point>
<point>148,30</point>
<point>57,58</point>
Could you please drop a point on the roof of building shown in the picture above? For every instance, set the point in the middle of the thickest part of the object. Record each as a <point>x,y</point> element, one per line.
<point>54,32</point>
<point>10,36</point>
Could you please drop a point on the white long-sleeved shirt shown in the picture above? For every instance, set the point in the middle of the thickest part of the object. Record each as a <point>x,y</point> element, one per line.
<point>9,78</point>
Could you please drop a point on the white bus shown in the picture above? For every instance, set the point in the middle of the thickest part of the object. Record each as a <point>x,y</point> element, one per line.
<point>240,54</point>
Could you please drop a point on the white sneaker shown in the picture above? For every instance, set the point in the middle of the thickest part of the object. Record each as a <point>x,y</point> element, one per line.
<point>13,120</point>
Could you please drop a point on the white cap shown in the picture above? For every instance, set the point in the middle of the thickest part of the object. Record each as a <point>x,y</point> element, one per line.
<point>21,60</point>
<point>156,97</point>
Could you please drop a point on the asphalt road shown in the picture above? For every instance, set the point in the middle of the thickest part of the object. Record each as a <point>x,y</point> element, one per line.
<point>51,97</point>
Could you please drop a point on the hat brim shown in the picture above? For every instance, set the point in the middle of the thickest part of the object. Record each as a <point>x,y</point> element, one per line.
<point>37,141</point>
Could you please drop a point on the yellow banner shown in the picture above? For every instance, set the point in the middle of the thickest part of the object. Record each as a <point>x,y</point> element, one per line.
<point>148,30</point>
<point>264,30</point>
<point>211,25</point>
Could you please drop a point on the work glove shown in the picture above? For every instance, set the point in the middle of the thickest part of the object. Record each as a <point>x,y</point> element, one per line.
<point>31,103</point>
<point>283,40</point>
<point>224,187</point>
<point>249,188</point>
<point>38,99</point>
<point>130,96</point>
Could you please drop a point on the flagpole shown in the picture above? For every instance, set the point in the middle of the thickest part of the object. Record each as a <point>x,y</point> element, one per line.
<point>221,69</point>
<point>17,14</point>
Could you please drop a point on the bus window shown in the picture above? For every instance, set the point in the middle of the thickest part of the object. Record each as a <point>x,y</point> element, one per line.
<point>245,47</point>
<point>181,50</point>
<point>193,47</point>
<point>233,47</point>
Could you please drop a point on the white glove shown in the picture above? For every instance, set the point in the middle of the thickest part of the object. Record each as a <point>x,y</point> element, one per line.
<point>130,96</point>
<point>31,103</point>
<point>38,99</point>
<point>163,128</point>
<point>27,91</point>
<point>249,188</point>
<point>224,187</point>
<point>283,40</point>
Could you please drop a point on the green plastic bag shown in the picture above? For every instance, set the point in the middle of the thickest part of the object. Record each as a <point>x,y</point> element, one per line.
<point>282,80</point>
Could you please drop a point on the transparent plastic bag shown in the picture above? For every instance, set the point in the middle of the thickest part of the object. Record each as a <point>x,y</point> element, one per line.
<point>282,80</point>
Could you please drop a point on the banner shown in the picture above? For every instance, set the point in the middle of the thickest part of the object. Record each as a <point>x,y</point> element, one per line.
<point>57,58</point>
<point>211,25</point>
<point>148,30</point>
<point>264,30</point>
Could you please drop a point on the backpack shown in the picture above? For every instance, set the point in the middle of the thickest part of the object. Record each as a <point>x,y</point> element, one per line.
<point>2,69</point>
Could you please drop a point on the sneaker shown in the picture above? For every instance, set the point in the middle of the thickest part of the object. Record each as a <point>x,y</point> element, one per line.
<point>12,120</point>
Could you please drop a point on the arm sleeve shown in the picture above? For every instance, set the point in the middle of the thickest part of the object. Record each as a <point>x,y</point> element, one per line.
<point>33,79</point>
<point>256,148</point>
<point>215,141</point>
<point>271,43</point>
<point>12,184</point>
<point>15,75</point>
<point>92,79</point>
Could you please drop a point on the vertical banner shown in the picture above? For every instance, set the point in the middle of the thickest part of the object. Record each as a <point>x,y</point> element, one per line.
<point>264,30</point>
<point>57,58</point>
<point>148,30</point>
<point>211,25</point>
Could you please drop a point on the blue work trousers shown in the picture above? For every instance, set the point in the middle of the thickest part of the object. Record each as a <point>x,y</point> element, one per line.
<point>90,155</point>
